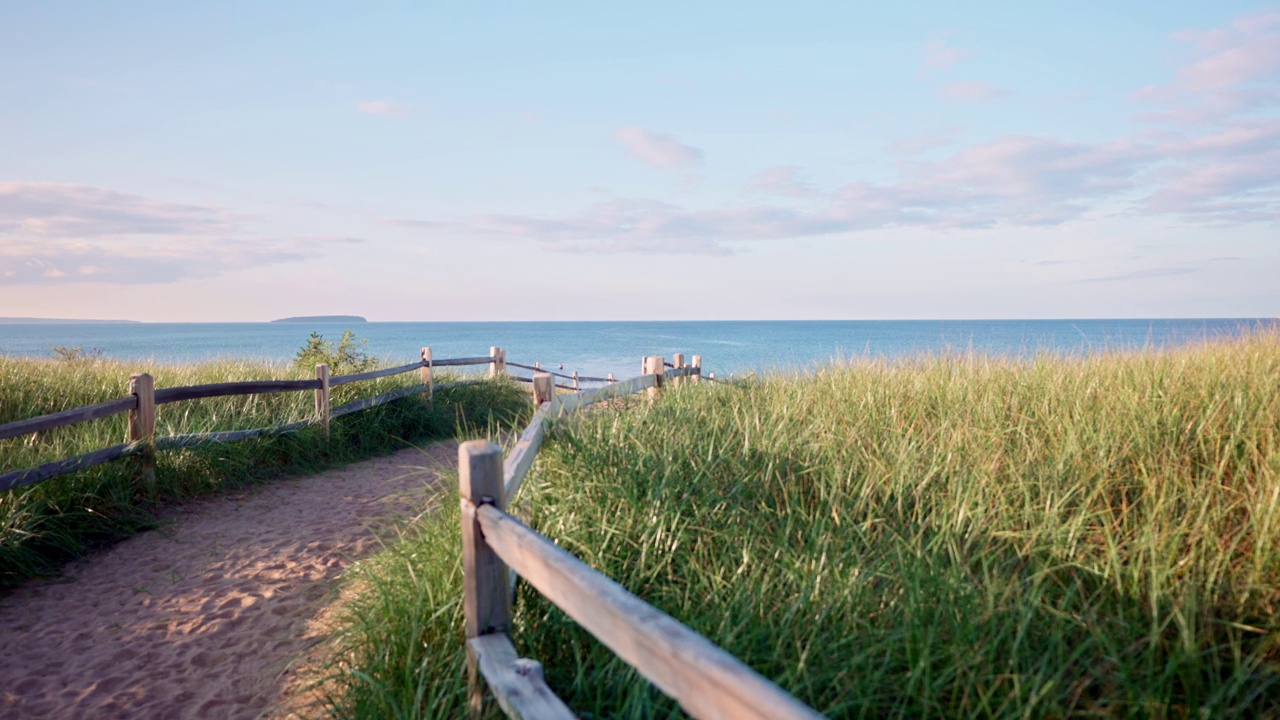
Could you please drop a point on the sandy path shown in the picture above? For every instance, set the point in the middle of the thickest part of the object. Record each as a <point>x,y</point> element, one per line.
<point>205,616</point>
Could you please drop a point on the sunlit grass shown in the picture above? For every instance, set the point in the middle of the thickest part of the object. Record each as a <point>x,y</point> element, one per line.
<point>953,536</point>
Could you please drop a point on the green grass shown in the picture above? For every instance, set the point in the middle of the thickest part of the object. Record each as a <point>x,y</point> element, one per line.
<point>43,525</point>
<point>947,537</point>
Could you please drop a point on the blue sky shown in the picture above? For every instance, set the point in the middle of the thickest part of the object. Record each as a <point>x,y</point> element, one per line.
<point>587,161</point>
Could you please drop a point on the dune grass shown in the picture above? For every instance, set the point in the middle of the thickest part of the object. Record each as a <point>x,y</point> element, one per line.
<point>43,525</point>
<point>949,537</point>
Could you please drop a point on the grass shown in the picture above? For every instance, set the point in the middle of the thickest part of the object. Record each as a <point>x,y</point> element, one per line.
<point>948,536</point>
<point>43,525</point>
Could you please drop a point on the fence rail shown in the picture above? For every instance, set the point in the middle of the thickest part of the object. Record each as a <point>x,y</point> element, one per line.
<point>68,417</point>
<point>706,680</point>
<point>143,399</point>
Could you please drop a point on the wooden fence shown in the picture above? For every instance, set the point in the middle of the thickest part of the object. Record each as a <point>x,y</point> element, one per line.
<point>143,398</point>
<point>707,681</point>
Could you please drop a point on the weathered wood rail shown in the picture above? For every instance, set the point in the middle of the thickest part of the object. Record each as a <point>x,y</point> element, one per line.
<point>144,398</point>
<point>707,681</point>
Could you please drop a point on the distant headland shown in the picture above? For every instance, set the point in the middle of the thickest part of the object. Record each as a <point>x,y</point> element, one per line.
<point>59,321</point>
<point>322,318</point>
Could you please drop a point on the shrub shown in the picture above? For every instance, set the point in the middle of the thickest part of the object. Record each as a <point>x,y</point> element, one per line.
<point>346,358</point>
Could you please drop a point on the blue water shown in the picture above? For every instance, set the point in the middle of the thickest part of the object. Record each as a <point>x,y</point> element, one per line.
<point>598,348</point>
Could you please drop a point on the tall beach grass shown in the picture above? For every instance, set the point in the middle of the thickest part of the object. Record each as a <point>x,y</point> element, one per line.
<point>946,536</point>
<point>43,525</point>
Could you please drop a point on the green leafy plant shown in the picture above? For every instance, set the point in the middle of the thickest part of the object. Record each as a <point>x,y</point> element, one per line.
<point>347,357</point>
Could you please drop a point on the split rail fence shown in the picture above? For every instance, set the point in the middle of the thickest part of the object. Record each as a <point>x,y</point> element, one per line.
<point>143,398</point>
<point>707,681</point>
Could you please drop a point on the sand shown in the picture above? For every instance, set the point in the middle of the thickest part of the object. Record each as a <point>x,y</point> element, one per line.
<point>211,615</point>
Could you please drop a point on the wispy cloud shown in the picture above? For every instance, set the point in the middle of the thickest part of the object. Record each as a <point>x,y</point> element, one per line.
<point>1223,171</point>
<point>1144,274</point>
<point>133,262</point>
<point>64,233</point>
<point>1232,69</point>
<point>385,108</point>
<point>60,210</point>
<point>657,149</point>
<point>972,92</point>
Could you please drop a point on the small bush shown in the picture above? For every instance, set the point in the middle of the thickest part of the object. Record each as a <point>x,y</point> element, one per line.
<point>347,358</point>
<point>77,353</point>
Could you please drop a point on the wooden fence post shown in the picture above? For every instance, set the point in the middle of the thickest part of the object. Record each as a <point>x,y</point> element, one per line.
<point>486,599</point>
<point>654,365</point>
<point>677,361</point>
<point>322,396</point>
<point>499,364</point>
<point>544,388</point>
<point>576,386</point>
<point>142,427</point>
<point>425,373</point>
<point>697,369</point>
<point>611,381</point>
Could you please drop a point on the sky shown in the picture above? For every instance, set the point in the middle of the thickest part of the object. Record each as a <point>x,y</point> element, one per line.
<point>437,161</point>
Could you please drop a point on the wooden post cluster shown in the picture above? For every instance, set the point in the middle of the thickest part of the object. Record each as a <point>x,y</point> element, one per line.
<point>142,427</point>
<point>486,597</point>
<point>425,373</point>
<point>322,396</point>
<point>499,364</point>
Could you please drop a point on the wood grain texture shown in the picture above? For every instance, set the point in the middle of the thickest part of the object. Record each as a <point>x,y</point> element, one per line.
<point>424,376</point>
<point>322,396</point>
<point>708,682</point>
<point>142,429</point>
<point>457,362</point>
<point>253,387</point>
<point>486,598</point>
<point>337,380</point>
<point>517,683</point>
<point>543,388</point>
<point>376,400</point>
<point>40,473</point>
<point>571,403</point>
<point>68,417</point>
<point>520,460</point>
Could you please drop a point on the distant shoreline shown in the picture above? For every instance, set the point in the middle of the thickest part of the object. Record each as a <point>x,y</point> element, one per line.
<point>322,318</point>
<point>63,321</point>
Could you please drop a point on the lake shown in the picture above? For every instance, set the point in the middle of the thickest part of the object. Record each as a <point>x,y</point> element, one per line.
<point>598,348</point>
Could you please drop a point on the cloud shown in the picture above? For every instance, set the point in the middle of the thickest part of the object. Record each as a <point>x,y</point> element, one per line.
<point>972,92</point>
<point>658,149</point>
<point>1232,69</point>
<point>385,108</point>
<point>64,233</point>
<point>57,210</point>
<point>147,263</point>
<point>1221,171</point>
<point>941,57</point>
<point>1144,274</point>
